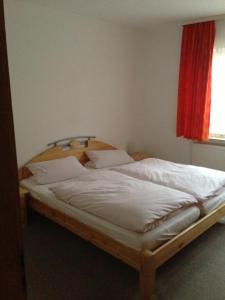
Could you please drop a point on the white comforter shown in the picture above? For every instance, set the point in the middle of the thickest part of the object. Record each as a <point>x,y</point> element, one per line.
<point>197,181</point>
<point>125,201</point>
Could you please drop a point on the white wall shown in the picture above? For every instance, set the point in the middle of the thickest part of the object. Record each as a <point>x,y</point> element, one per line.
<point>211,156</point>
<point>70,75</point>
<point>73,75</point>
<point>160,81</point>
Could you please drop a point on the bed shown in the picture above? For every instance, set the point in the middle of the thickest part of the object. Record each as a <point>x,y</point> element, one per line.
<point>143,251</point>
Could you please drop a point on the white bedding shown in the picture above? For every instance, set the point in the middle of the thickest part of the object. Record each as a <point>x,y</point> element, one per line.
<point>200,182</point>
<point>131,203</point>
<point>166,230</point>
<point>213,202</point>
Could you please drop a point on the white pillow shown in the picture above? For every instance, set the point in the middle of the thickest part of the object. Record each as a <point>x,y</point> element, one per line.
<point>107,158</point>
<point>56,170</point>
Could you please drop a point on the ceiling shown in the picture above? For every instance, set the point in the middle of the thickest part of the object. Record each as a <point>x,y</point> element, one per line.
<point>141,13</point>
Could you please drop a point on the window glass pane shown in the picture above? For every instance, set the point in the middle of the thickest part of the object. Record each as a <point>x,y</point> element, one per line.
<point>217,115</point>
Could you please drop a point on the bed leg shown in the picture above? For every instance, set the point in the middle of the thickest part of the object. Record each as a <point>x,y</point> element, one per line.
<point>147,275</point>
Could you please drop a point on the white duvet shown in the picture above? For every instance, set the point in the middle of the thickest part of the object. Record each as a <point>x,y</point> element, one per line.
<point>122,200</point>
<point>197,181</point>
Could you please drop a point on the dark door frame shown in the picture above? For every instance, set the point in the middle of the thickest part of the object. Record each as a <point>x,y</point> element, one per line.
<point>12,283</point>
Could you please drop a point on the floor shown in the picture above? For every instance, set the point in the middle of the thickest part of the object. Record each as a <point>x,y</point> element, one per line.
<point>61,266</point>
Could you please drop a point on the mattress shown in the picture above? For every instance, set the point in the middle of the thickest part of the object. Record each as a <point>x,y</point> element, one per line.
<point>166,230</point>
<point>214,202</point>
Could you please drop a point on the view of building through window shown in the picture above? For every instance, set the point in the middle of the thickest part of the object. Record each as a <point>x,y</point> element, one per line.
<point>217,115</point>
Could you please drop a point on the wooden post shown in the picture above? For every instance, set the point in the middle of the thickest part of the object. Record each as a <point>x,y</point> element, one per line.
<point>147,275</point>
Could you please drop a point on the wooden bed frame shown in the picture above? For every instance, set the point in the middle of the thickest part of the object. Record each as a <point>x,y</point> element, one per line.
<point>145,261</point>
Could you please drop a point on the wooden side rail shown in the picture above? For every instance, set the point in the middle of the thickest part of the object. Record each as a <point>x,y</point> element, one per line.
<point>101,240</point>
<point>166,251</point>
<point>151,260</point>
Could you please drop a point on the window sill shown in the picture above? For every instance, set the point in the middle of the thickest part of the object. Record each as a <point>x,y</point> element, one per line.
<point>214,141</point>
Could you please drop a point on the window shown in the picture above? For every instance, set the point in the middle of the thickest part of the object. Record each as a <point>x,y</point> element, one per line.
<point>217,114</point>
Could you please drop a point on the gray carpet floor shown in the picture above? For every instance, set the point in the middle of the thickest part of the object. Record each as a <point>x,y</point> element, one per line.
<point>61,266</point>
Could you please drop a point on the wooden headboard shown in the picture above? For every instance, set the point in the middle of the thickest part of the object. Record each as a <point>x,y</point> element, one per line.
<point>58,152</point>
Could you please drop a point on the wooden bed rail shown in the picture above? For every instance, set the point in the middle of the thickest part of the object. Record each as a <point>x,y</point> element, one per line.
<point>167,250</point>
<point>129,255</point>
<point>151,260</point>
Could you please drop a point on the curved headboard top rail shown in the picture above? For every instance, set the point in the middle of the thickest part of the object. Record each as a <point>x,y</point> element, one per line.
<point>84,140</point>
<point>57,152</point>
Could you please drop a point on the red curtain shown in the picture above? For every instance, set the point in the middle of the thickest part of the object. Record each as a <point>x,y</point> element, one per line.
<point>194,92</point>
